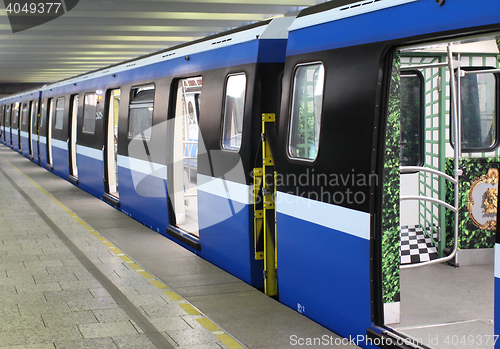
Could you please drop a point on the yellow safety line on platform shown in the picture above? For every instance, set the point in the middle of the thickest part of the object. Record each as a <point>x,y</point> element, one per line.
<point>224,337</point>
<point>188,308</point>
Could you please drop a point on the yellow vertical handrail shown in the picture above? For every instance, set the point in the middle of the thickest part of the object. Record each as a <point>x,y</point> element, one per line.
<point>269,210</point>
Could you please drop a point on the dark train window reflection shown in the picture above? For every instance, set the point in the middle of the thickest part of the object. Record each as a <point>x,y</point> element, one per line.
<point>412,118</point>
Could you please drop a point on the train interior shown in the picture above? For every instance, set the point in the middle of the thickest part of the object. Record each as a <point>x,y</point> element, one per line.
<point>32,126</point>
<point>448,189</point>
<point>73,166</point>
<point>112,143</point>
<point>185,154</point>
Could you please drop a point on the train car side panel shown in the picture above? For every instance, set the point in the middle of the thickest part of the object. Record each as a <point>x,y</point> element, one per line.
<point>324,264</point>
<point>323,222</point>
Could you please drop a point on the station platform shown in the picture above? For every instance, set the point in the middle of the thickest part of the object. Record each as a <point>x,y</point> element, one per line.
<point>77,273</point>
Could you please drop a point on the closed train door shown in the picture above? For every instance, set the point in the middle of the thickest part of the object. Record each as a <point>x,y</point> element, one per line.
<point>111,145</point>
<point>182,189</point>
<point>440,194</point>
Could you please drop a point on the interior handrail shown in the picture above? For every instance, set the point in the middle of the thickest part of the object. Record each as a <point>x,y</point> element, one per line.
<point>408,169</point>
<point>430,65</point>
<point>426,198</point>
<point>484,71</point>
<point>455,128</point>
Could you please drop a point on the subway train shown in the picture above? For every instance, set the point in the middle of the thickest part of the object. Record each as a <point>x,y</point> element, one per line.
<point>345,161</point>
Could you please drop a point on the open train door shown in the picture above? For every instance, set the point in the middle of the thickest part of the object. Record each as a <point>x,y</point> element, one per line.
<point>111,146</point>
<point>440,194</point>
<point>73,134</point>
<point>182,188</point>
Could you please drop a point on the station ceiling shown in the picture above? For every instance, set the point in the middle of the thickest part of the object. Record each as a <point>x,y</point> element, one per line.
<point>95,33</point>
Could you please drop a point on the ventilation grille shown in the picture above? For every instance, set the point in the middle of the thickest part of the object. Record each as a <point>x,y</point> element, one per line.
<point>168,55</point>
<point>359,5</point>
<point>220,42</point>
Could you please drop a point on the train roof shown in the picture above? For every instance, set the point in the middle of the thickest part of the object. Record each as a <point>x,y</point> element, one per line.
<point>270,29</point>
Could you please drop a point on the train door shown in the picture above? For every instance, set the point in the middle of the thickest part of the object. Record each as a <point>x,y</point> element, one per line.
<point>35,123</point>
<point>73,131</point>
<point>2,123</point>
<point>50,116</point>
<point>111,146</point>
<point>32,115</point>
<point>8,117</point>
<point>33,130</point>
<point>2,129</point>
<point>440,185</point>
<point>183,189</point>
<point>23,124</point>
<point>14,136</point>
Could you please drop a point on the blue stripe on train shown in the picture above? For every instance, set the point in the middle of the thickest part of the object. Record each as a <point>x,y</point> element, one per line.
<point>394,23</point>
<point>325,274</point>
<point>226,238</point>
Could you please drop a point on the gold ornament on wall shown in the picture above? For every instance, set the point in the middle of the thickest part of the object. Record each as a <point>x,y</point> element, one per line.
<point>483,200</point>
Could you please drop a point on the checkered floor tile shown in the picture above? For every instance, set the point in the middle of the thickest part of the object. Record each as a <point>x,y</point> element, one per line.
<point>415,246</point>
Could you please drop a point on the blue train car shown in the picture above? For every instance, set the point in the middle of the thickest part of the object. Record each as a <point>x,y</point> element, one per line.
<point>369,111</point>
<point>190,114</point>
<point>20,113</point>
<point>345,161</point>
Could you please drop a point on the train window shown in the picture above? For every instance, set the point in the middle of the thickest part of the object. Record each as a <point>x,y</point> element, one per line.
<point>59,113</point>
<point>42,116</point>
<point>89,113</point>
<point>141,112</point>
<point>7,115</point>
<point>24,114</point>
<point>307,104</point>
<point>412,118</point>
<point>479,112</point>
<point>15,116</point>
<point>34,115</point>
<point>233,111</point>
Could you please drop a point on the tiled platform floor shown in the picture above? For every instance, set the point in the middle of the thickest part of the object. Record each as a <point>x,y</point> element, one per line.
<point>53,296</point>
<point>50,298</point>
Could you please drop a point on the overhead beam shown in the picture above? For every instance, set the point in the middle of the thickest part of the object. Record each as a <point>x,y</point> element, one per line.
<point>9,88</point>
